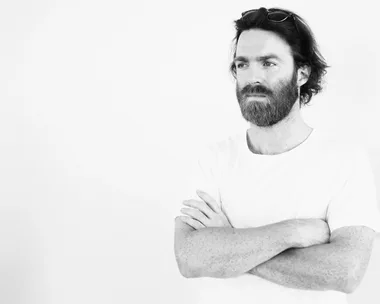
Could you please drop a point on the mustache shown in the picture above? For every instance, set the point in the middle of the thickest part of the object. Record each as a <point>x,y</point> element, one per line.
<point>258,89</point>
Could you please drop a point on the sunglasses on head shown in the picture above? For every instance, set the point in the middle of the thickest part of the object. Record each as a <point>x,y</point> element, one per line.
<point>273,15</point>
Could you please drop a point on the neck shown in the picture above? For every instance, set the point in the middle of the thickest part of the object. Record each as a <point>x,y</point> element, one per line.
<point>281,137</point>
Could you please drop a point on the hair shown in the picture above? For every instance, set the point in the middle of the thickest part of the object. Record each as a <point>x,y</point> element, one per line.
<point>299,37</point>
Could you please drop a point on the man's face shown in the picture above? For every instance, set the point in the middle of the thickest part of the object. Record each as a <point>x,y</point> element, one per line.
<point>266,86</point>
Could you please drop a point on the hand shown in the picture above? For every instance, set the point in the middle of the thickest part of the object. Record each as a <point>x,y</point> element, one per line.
<point>206,213</point>
<point>311,232</point>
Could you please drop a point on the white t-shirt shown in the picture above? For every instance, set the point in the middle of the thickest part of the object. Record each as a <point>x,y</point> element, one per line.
<point>323,177</point>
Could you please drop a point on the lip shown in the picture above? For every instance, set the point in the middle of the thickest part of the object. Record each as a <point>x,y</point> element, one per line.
<point>256,95</point>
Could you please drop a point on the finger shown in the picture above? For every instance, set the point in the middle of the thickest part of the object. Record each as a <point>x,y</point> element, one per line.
<point>195,214</point>
<point>225,214</point>
<point>200,205</point>
<point>191,222</point>
<point>209,200</point>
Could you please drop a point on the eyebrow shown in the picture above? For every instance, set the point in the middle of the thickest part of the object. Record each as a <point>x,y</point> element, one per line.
<point>259,58</point>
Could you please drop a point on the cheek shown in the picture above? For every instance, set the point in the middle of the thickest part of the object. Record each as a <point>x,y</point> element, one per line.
<point>279,80</point>
<point>242,80</point>
<point>240,77</point>
<point>240,83</point>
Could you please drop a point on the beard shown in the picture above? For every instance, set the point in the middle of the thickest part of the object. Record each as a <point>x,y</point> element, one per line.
<point>268,112</point>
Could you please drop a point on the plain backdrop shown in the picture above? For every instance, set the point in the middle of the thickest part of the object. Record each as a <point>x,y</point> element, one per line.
<point>103,108</point>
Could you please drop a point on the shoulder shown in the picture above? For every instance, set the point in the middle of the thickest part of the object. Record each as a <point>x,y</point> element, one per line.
<point>342,149</point>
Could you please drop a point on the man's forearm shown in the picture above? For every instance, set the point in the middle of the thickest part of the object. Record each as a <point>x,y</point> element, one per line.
<point>319,267</point>
<point>229,252</point>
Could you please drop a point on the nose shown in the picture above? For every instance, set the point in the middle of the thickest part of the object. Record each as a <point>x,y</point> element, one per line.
<point>255,74</point>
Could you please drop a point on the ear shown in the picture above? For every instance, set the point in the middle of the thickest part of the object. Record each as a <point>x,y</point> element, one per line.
<point>303,74</point>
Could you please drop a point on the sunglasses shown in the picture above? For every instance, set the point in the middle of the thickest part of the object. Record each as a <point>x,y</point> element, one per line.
<point>273,15</point>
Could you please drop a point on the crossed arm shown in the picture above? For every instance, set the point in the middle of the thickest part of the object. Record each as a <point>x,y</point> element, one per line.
<point>337,265</point>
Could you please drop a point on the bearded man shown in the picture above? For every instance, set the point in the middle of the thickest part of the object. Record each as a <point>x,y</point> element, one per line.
<point>284,213</point>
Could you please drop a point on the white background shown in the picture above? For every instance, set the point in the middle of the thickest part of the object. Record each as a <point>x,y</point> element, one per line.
<point>103,107</point>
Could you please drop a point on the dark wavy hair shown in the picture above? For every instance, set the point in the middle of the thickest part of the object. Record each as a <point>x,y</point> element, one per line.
<point>300,38</point>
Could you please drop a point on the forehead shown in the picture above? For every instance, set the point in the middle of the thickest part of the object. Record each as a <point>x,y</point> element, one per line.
<point>257,42</point>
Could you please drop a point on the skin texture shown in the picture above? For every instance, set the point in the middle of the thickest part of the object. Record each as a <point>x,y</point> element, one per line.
<point>223,252</point>
<point>207,246</point>
<point>341,263</point>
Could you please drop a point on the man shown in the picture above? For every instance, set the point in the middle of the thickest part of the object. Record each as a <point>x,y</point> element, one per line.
<point>284,214</point>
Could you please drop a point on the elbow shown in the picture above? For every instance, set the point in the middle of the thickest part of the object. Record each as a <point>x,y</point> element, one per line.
<point>185,265</point>
<point>351,285</point>
<point>193,264</point>
<point>351,281</point>
<point>186,271</point>
<point>192,268</point>
<point>182,266</point>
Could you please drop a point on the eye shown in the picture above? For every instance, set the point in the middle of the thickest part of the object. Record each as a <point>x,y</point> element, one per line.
<point>268,63</point>
<point>241,65</point>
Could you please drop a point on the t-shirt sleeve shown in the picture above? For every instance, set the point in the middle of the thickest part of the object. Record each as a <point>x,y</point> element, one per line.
<point>355,202</point>
<point>203,176</point>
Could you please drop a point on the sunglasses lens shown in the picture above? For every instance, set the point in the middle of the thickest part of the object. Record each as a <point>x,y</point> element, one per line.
<point>277,16</point>
<point>250,12</point>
